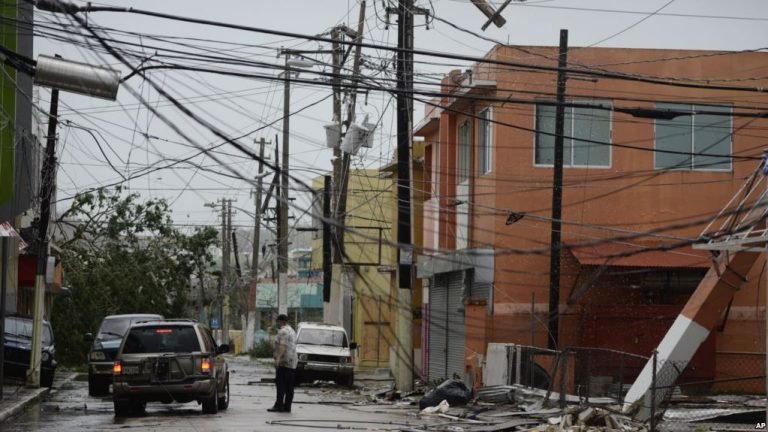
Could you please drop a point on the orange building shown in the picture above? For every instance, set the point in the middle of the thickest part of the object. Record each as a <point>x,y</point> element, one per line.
<point>656,142</point>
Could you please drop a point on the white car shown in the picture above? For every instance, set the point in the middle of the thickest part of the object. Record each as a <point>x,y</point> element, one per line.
<point>324,353</point>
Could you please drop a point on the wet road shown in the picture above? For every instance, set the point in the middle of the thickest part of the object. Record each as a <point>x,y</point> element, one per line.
<point>70,409</point>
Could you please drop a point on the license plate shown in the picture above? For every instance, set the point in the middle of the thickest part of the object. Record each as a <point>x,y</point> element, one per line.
<point>130,370</point>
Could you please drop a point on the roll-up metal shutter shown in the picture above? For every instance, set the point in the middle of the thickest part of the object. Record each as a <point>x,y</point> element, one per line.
<point>455,325</point>
<point>438,306</point>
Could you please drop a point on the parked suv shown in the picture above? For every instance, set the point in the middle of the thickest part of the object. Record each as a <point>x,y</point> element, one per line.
<point>324,353</point>
<point>166,361</point>
<point>101,356</point>
<point>17,346</point>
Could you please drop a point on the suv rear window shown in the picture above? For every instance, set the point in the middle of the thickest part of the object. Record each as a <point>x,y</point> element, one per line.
<point>161,339</point>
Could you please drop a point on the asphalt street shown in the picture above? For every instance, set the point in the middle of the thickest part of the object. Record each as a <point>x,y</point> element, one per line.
<point>70,409</point>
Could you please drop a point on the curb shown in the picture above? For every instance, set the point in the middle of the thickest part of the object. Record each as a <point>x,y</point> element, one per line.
<point>22,403</point>
<point>31,397</point>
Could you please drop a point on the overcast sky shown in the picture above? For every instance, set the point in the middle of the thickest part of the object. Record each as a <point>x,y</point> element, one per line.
<point>238,105</point>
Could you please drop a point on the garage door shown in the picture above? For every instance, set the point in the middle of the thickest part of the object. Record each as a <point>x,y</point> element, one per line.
<point>446,326</point>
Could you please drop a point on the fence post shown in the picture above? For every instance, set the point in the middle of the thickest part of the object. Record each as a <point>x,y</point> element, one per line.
<point>653,391</point>
<point>588,388</point>
<point>621,379</point>
<point>564,377</point>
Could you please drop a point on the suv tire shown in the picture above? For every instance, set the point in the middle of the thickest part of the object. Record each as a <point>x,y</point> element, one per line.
<point>223,401</point>
<point>123,408</point>
<point>97,386</point>
<point>211,405</point>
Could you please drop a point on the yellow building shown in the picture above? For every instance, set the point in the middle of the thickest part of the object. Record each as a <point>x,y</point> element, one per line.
<point>364,295</point>
<point>421,188</point>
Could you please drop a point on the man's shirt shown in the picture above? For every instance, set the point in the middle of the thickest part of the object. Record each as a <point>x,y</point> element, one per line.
<point>287,338</point>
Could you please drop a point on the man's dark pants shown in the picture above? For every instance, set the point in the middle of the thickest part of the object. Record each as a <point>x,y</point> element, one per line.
<point>284,383</point>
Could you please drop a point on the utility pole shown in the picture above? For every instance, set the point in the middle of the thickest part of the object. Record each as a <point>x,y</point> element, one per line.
<point>48,176</point>
<point>228,272</point>
<point>250,326</point>
<point>327,260</point>
<point>557,197</point>
<point>342,300</point>
<point>342,178</point>
<point>404,369</point>
<point>4,240</point>
<point>282,229</point>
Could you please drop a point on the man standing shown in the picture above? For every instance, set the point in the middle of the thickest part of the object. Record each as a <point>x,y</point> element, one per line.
<point>285,363</point>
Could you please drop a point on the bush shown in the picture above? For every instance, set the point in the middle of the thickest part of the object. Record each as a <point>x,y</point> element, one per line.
<point>263,349</point>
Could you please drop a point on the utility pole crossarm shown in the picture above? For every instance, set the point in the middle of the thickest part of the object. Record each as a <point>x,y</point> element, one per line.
<point>492,14</point>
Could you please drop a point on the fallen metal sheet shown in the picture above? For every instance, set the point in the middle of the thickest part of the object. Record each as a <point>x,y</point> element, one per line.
<point>507,425</point>
<point>544,412</point>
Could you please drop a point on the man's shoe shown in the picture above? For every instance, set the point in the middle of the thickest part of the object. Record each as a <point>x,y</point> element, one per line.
<point>275,409</point>
<point>285,410</point>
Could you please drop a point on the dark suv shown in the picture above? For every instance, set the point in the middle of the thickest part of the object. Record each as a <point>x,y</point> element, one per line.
<point>101,356</point>
<point>17,346</point>
<point>167,361</point>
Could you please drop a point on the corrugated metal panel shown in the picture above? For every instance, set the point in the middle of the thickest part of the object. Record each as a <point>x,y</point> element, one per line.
<point>438,305</point>
<point>455,353</point>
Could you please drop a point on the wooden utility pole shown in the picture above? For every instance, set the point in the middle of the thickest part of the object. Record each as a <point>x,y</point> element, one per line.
<point>557,197</point>
<point>227,280</point>
<point>338,309</point>
<point>345,174</point>
<point>404,369</point>
<point>48,182</point>
<point>252,317</point>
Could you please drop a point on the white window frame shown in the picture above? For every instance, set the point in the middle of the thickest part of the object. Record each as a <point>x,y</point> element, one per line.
<point>485,158</point>
<point>569,164</point>
<point>463,175</point>
<point>691,167</point>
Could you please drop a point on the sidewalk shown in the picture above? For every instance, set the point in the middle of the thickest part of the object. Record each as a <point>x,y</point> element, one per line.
<point>16,396</point>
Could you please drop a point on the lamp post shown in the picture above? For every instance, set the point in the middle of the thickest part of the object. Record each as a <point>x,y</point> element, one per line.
<point>79,78</point>
<point>282,227</point>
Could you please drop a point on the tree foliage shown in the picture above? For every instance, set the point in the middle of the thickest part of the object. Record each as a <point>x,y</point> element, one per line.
<point>122,255</point>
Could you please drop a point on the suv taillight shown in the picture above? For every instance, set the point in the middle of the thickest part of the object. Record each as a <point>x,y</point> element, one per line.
<point>117,368</point>
<point>205,366</point>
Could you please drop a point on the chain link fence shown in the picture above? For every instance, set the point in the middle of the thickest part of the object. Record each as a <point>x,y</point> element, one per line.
<point>732,398</point>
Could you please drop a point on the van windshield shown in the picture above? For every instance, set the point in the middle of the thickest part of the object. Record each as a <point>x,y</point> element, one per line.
<point>312,336</point>
<point>115,328</point>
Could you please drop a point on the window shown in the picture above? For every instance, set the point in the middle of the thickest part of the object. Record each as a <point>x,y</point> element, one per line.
<point>161,340</point>
<point>429,187</point>
<point>694,142</point>
<point>465,153</point>
<point>580,124</point>
<point>484,141</point>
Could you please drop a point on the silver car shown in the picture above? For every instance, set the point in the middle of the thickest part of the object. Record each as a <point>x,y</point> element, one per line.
<point>167,361</point>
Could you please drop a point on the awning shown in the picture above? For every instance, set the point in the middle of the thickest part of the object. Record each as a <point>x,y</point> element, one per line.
<point>622,255</point>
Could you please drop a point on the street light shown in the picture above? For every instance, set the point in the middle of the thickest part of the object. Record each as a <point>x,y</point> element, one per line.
<point>76,77</point>
<point>282,228</point>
